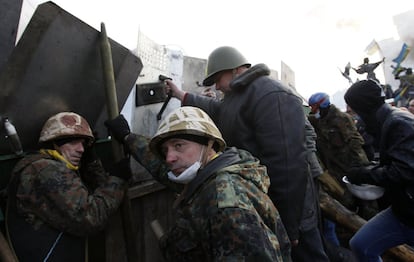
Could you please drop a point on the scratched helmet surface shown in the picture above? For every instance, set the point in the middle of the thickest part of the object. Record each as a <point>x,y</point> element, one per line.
<point>65,125</point>
<point>186,120</point>
<point>319,100</point>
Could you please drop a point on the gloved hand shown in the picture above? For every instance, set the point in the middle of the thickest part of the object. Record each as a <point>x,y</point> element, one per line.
<point>89,163</point>
<point>121,169</point>
<point>89,155</point>
<point>360,175</point>
<point>118,127</point>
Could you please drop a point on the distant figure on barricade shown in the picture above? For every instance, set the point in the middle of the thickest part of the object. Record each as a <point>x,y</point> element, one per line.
<point>405,91</point>
<point>223,210</point>
<point>394,128</point>
<point>368,68</point>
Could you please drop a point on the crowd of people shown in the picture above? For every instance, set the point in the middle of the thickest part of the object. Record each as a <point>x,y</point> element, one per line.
<point>245,168</point>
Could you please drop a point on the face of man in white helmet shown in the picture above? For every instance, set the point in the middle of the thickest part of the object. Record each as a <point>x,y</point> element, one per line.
<point>72,150</point>
<point>180,154</point>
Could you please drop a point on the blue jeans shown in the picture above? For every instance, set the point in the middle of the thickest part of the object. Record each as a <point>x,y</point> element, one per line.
<point>380,233</point>
<point>329,231</point>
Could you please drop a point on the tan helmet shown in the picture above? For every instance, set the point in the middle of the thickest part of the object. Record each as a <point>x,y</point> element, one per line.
<point>64,125</point>
<point>223,58</point>
<point>186,120</point>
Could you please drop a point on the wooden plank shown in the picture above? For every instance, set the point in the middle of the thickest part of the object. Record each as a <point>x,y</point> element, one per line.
<point>350,220</point>
<point>144,188</point>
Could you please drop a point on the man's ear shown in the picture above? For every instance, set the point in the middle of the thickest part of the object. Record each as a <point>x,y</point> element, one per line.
<point>210,148</point>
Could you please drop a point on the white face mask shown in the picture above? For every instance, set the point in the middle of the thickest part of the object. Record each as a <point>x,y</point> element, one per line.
<point>189,174</point>
<point>317,114</point>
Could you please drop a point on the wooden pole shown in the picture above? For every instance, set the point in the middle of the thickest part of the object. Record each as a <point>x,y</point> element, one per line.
<point>331,185</point>
<point>113,112</point>
<point>110,89</point>
<point>335,211</point>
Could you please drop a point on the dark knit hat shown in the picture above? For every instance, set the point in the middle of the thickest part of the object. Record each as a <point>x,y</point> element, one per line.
<point>365,96</point>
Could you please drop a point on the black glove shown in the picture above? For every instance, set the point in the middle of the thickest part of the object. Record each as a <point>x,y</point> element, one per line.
<point>89,163</point>
<point>118,127</point>
<point>360,175</point>
<point>121,169</point>
<point>89,155</point>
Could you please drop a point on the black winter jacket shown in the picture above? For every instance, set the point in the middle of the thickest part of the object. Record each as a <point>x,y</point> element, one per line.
<point>266,118</point>
<point>396,170</point>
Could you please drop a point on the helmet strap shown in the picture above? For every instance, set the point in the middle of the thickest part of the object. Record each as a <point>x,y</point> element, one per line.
<point>234,72</point>
<point>204,158</point>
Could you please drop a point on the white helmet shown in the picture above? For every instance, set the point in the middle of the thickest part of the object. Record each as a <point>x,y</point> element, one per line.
<point>186,120</point>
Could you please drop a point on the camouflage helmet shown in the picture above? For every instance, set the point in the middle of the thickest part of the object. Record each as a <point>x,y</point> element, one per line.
<point>186,120</point>
<point>65,125</point>
<point>223,58</point>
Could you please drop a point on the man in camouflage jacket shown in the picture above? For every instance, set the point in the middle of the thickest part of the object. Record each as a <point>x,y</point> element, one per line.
<point>340,147</point>
<point>61,194</point>
<point>224,212</point>
<point>339,144</point>
<point>264,117</point>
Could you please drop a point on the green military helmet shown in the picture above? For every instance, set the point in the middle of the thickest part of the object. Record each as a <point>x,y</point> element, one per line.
<point>186,120</point>
<point>65,125</point>
<point>223,58</point>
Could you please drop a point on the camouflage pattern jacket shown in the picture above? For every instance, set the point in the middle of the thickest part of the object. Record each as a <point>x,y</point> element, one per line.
<point>224,213</point>
<point>339,144</point>
<point>46,198</point>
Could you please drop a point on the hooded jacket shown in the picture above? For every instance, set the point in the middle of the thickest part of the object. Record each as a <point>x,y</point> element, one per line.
<point>224,213</point>
<point>266,118</point>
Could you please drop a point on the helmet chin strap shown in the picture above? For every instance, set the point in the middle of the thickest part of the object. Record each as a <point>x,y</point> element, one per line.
<point>236,72</point>
<point>204,153</point>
